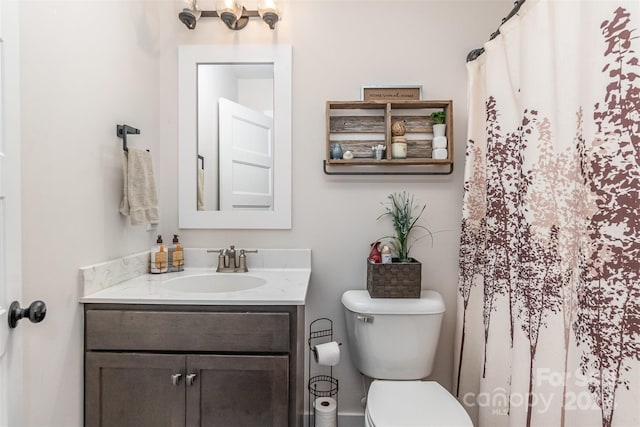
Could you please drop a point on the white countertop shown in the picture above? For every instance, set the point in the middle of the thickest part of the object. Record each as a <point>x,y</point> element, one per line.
<point>283,287</point>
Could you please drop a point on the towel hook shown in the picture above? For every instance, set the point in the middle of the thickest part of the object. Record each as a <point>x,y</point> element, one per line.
<point>122,131</point>
<point>201,158</point>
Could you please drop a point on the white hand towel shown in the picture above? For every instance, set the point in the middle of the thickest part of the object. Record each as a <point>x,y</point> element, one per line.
<point>140,200</point>
<point>200,189</point>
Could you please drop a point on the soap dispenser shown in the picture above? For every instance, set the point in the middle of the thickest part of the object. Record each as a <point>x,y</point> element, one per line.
<point>159,257</point>
<point>176,255</point>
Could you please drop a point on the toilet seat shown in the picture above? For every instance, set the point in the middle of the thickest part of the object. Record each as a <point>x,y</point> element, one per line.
<point>413,404</point>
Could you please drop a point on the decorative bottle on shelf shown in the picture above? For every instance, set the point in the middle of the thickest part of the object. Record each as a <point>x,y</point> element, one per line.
<point>159,257</point>
<point>176,256</point>
<point>336,151</point>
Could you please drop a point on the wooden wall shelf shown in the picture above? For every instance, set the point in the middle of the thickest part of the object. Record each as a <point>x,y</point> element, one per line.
<point>359,125</point>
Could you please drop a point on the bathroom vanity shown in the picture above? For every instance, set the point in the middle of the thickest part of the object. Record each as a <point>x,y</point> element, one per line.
<point>168,365</point>
<point>159,354</point>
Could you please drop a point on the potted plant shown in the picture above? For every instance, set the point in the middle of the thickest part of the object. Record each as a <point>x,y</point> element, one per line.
<point>404,214</point>
<point>403,276</point>
<point>439,126</point>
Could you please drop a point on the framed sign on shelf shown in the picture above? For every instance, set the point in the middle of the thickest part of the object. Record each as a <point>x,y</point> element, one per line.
<point>391,93</point>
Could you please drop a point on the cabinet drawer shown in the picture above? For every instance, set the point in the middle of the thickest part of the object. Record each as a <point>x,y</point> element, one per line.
<point>186,331</point>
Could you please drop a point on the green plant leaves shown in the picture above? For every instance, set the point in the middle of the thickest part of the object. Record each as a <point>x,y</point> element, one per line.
<point>404,214</point>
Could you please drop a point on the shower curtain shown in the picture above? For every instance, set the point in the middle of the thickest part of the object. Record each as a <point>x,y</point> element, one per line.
<point>549,290</point>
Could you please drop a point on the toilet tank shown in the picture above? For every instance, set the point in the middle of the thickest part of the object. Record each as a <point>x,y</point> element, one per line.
<point>393,338</point>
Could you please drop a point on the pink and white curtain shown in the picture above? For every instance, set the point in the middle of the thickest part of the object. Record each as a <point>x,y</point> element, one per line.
<point>549,290</point>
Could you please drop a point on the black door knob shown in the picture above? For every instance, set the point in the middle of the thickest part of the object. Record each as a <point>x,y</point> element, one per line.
<point>35,312</point>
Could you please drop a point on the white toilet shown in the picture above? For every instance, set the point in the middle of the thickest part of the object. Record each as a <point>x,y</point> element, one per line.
<point>393,341</point>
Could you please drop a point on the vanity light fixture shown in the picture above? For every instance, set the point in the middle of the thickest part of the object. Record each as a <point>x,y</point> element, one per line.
<point>231,12</point>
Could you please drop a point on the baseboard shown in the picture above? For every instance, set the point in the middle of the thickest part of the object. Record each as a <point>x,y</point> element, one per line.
<point>344,420</point>
<point>350,420</point>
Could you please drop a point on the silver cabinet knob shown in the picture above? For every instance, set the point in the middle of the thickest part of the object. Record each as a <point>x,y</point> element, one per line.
<point>191,378</point>
<point>175,379</point>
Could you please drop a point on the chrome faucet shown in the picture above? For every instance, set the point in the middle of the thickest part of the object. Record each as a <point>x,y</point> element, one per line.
<point>229,263</point>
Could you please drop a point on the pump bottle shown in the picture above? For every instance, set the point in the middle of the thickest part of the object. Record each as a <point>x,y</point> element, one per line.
<point>176,255</point>
<point>159,257</point>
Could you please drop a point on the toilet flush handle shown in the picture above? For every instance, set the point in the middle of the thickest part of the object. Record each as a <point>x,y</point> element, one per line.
<point>365,319</point>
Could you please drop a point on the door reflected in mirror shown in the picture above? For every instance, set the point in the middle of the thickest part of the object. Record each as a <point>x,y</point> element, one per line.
<point>235,136</point>
<point>234,168</point>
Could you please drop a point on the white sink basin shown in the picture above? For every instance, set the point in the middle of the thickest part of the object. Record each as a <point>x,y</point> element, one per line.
<point>213,283</point>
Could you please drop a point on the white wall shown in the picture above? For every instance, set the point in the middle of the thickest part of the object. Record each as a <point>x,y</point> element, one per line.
<point>214,82</point>
<point>87,66</point>
<point>257,94</point>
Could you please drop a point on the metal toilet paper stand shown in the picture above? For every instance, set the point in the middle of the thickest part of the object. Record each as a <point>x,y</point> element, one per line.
<point>321,384</point>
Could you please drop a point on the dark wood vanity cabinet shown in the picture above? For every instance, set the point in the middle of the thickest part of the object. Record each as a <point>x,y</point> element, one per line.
<point>193,366</point>
<point>133,389</point>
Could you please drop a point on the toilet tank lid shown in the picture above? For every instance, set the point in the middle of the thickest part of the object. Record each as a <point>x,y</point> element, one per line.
<point>430,302</point>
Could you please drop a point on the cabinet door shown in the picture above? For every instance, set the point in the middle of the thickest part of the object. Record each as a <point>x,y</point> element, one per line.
<point>129,389</point>
<point>237,391</point>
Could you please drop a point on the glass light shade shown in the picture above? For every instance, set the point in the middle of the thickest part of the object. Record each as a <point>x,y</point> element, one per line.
<point>268,12</point>
<point>267,6</point>
<point>229,11</point>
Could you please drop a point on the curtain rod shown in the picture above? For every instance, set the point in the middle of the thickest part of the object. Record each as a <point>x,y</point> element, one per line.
<point>475,53</point>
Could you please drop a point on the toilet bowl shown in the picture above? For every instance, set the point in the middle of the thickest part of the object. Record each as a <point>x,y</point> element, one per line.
<point>393,341</point>
<point>413,404</point>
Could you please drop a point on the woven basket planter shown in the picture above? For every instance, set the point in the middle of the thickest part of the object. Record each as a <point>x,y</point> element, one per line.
<point>395,280</point>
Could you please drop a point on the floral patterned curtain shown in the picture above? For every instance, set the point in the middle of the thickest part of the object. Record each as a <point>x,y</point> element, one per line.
<point>549,290</point>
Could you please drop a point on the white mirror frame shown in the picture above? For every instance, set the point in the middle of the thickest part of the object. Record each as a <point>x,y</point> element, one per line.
<point>188,58</point>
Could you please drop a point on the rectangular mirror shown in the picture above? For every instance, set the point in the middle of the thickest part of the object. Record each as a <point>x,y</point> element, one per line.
<point>235,136</point>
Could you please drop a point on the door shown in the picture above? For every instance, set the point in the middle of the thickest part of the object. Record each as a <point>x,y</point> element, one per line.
<point>10,260</point>
<point>134,389</point>
<point>246,157</point>
<point>237,391</point>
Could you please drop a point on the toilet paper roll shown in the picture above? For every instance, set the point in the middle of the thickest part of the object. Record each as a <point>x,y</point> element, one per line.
<point>327,354</point>
<point>439,142</point>
<point>440,153</point>
<point>326,412</point>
